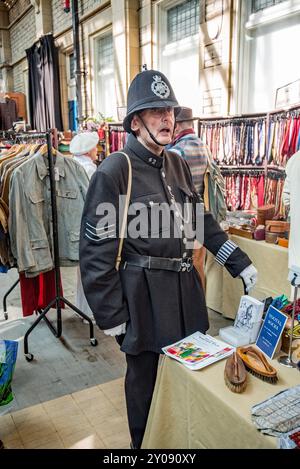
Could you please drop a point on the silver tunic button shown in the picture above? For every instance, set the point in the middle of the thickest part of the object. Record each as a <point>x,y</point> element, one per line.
<point>184,240</point>
<point>181,227</point>
<point>177,214</point>
<point>184,254</point>
<point>183,269</point>
<point>163,174</point>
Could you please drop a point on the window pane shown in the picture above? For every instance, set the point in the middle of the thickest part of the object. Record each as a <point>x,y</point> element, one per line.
<point>258,5</point>
<point>105,53</point>
<point>105,82</point>
<point>183,20</point>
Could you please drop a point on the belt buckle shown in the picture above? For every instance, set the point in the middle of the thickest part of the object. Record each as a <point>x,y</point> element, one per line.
<point>186,264</point>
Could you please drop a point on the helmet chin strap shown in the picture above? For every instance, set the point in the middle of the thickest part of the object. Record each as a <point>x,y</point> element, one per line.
<point>152,136</point>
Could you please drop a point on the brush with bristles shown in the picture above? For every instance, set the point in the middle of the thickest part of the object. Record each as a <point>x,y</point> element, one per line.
<point>257,364</point>
<point>235,374</point>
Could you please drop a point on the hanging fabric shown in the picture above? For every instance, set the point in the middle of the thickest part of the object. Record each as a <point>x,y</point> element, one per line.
<point>44,100</point>
<point>38,292</point>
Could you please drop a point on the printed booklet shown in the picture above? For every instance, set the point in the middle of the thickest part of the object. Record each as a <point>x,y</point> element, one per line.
<point>198,350</point>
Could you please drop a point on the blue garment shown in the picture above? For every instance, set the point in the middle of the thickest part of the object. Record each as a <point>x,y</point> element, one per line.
<point>7,370</point>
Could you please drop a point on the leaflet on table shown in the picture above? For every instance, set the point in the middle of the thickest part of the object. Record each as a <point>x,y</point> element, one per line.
<point>198,350</point>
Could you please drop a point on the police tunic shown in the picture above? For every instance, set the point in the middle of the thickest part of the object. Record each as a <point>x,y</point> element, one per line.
<point>160,306</point>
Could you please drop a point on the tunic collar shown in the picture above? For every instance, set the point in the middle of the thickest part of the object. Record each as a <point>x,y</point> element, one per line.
<point>143,152</point>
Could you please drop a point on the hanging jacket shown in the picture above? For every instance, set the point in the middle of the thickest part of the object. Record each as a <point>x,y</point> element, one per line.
<point>30,227</point>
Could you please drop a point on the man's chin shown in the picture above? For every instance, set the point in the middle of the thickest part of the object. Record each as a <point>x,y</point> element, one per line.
<point>164,139</point>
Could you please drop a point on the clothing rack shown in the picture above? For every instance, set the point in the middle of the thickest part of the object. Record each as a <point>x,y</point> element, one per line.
<point>57,332</point>
<point>116,126</point>
<point>5,298</point>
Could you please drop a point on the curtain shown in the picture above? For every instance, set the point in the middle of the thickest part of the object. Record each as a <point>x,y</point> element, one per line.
<point>44,86</point>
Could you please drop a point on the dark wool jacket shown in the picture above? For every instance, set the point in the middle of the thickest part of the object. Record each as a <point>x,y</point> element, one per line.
<point>159,306</point>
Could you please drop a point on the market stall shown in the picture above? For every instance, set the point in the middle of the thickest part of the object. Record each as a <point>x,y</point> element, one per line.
<point>271,262</point>
<point>195,409</point>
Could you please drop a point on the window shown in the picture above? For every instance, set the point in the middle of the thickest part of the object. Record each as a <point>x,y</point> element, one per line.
<point>179,48</point>
<point>267,56</point>
<point>258,5</point>
<point>183,20</point>
<point>105,81</point>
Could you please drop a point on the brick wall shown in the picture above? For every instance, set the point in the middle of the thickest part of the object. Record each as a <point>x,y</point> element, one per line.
<point>22,35</point>
<point>17,9</point>
<point>61,20</point>
<point>90,4</point>
<point>18,78</point>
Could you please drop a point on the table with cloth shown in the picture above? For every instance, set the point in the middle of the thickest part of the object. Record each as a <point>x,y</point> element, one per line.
<point>223,293</point>
<point>195,409</point>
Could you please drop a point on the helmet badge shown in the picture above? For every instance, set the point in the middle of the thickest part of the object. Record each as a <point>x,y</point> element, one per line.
<point>159,87</point>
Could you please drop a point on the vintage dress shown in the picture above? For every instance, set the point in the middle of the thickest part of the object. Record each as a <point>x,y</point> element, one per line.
<point>159,306</point>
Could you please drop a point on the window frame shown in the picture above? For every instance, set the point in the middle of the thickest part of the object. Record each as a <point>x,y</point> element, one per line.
<point>95,38</point>
<point>272,14</point>
<point>161,33</point>
<point>245,23</point>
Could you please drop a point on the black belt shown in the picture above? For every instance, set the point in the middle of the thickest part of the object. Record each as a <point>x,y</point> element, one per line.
<point>158,263</point>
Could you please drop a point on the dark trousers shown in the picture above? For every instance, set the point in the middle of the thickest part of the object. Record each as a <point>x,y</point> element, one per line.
<point>139,385</point>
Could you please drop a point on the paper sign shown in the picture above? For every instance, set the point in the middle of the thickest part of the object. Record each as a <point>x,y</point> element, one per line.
<point>271,331</point>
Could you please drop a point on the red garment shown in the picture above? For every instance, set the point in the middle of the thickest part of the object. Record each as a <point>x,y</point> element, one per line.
<point>286,139</point>
<point>294,138</point>
<point>38,292</point>
<point>260,191</point>
<point>247,189</point>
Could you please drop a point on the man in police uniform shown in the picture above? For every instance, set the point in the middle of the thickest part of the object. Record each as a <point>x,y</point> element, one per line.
<point>156,297</point>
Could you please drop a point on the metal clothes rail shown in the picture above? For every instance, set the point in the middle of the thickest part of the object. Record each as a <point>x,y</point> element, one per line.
<point>59,299</point>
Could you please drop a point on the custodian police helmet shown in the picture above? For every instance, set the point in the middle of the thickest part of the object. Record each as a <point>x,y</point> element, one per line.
<point>148,89</point>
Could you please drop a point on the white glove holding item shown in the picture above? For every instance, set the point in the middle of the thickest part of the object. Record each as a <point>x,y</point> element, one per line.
<point>249,277</point>
<point>118,330</point>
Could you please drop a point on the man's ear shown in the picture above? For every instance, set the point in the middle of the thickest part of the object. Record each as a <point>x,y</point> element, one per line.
<point>135,123</point>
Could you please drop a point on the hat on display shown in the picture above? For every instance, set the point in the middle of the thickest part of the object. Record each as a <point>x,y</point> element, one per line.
<point>149,89</point>
<point>185,114</point>
<point>84,142</point>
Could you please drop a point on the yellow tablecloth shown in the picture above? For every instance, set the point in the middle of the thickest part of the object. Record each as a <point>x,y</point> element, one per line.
<point>195,409</point>
<point>223,293</point>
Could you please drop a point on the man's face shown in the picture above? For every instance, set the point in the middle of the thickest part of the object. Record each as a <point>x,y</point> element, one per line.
<point>159,121</point>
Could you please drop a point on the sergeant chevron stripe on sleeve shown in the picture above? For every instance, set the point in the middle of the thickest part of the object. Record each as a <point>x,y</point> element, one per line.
<point>99,233</point>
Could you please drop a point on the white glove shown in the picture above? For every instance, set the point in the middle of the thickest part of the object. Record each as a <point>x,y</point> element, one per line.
<point>249,276</point>
<point>118,330</point>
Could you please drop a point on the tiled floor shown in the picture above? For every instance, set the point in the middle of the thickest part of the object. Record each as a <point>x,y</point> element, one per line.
<point>88,419</point>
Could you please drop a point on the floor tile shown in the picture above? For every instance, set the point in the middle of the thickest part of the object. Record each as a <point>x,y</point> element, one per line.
<point>114,425</point>
<point>119,441</point>
<point>15,443</point>
<point>87,439</point>
<point>86,394</point>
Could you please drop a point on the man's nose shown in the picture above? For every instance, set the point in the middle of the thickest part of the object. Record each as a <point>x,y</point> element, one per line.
<point>168,114</point>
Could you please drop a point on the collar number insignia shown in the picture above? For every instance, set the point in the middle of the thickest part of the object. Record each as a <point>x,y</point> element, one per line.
<point>160,88</point>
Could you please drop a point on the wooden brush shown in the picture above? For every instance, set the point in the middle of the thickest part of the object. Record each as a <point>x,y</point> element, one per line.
<point>257,364</point>
<point>235,374</point>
